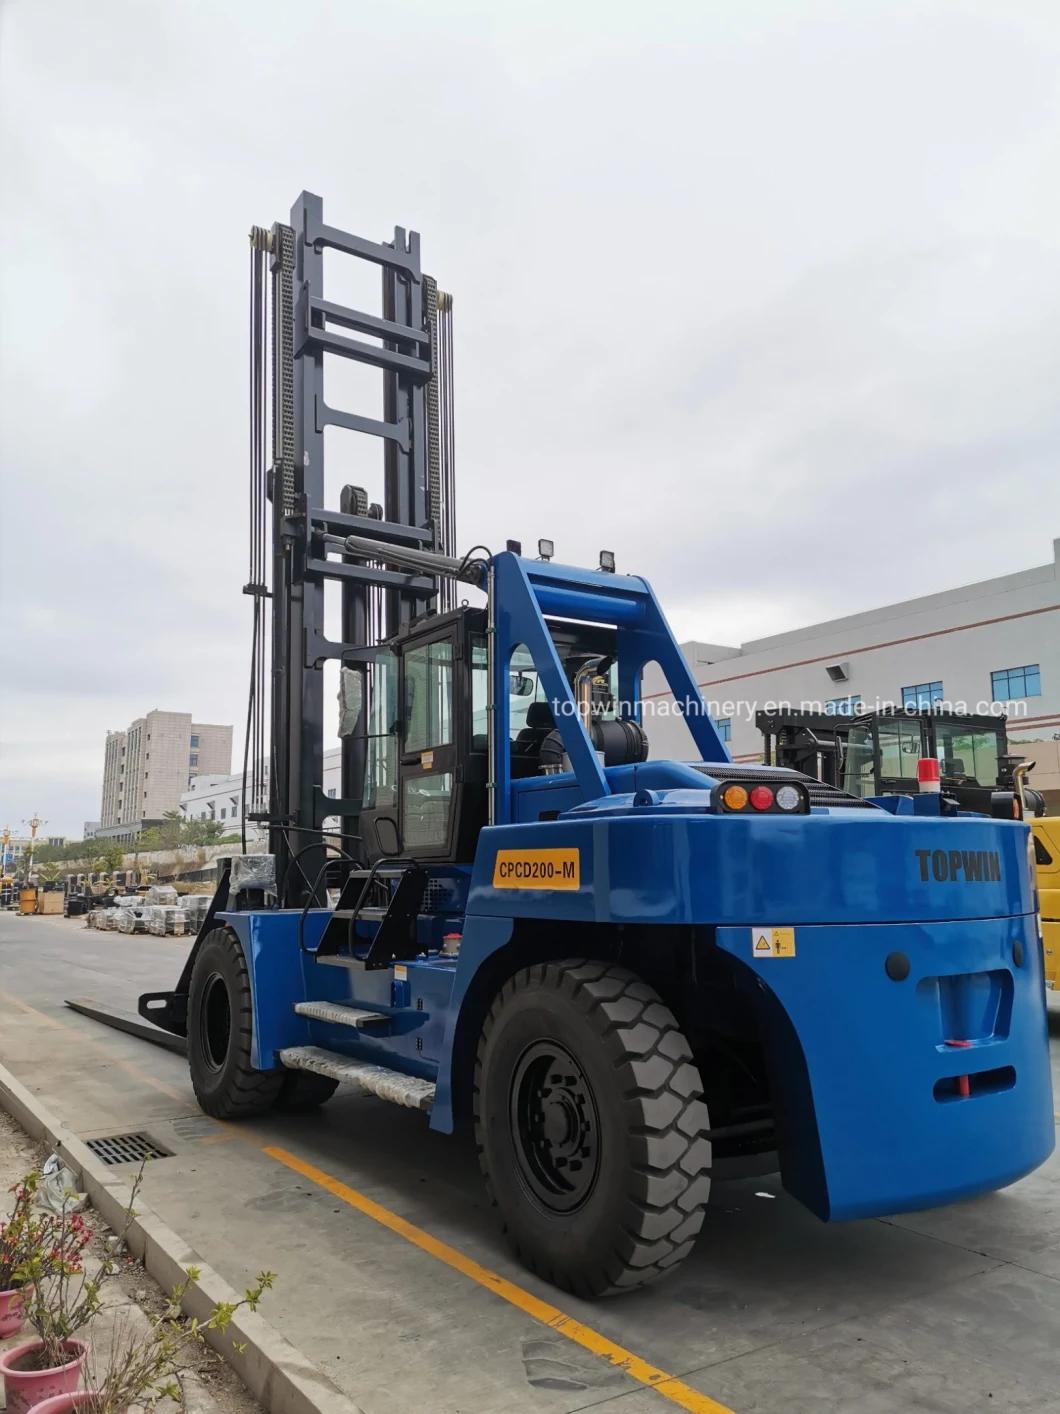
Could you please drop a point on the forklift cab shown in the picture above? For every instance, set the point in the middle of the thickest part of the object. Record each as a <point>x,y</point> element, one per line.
<point>427,757</point>
<point>883,749</point>
<point>427,745</point>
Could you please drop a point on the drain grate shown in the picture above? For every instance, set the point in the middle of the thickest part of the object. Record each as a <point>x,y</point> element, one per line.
<point>127,1149</point>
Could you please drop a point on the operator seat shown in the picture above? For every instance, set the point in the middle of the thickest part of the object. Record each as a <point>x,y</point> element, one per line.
<point>526,748</point>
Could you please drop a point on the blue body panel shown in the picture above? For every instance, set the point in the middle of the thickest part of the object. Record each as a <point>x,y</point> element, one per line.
<point>850,866</point>
<point>885,1143</point>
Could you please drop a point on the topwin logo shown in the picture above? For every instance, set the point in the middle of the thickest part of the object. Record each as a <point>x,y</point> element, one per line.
<point>971,866</point>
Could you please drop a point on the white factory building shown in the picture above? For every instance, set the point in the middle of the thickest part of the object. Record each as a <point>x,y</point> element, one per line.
<point>984,647</point>
<point>216,797</point>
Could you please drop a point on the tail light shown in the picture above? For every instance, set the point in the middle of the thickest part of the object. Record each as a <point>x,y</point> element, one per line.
<point>756,798</point>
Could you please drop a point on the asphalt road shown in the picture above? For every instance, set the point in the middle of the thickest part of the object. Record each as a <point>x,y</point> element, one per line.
<point>380,1235</point>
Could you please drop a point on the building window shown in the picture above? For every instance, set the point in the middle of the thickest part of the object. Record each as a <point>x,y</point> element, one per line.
<point>1009,683</point>
<point>724,726</point>
<point>194,741</point>
<point>331,792</point>
<point>223,812</point>
<point>843,706</point>
<point>194,759</point>
<point>921,696</point>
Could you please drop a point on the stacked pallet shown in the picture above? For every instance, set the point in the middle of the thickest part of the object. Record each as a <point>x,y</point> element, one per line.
<point>164,895</point>
<point>195,907</point>
<point>162,921</point>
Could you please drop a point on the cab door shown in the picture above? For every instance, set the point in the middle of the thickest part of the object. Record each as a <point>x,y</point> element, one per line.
<point>427,746</point>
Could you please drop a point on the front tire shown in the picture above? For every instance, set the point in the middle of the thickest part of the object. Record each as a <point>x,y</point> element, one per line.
<point>220,1033</point>
<point>591,1127</point>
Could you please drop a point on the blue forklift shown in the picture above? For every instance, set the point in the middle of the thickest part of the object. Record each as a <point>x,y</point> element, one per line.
<point>628,976</point>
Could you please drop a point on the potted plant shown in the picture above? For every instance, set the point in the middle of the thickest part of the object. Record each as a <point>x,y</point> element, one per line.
<point>63,1296</point>
<point>23,1236</point>
<point>141,1368</point>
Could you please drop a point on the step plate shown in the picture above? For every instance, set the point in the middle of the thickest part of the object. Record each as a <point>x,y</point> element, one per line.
<point>408,1090</point>
<point>340,1015</point>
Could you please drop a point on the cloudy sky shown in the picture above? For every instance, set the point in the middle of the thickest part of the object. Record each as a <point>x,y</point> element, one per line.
<point>764,296</point>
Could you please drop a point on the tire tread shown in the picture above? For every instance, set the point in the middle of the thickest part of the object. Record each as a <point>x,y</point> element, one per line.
<point>249,1092</point>
<point>662,1094</point>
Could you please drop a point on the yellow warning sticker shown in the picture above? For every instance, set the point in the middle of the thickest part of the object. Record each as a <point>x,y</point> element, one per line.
<point>537,869</point>
<point>772,942</point>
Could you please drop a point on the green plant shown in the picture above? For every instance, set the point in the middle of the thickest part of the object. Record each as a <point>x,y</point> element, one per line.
<point>203,831</point>
<point>107,855</point>
<point>67,1292</point>
<point>26,1237</point>
<point>65,1296</point>
<point>141,1369</point>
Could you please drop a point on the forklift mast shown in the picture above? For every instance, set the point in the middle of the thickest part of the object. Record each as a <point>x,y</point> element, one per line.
<point>410,343</point>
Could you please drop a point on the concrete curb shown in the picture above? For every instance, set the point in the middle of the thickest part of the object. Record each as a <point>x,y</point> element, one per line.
<point>277,1374</point>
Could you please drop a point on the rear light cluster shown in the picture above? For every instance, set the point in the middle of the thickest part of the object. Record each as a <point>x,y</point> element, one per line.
<point>752,798</point>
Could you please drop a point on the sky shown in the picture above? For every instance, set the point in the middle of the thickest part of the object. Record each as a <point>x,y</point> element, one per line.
<point>762,296</point>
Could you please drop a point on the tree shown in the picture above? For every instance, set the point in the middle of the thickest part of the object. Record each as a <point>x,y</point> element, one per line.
<point>59,853</point>
<point>203,831</point>
<point>107,855</point>
<point>173,830</point>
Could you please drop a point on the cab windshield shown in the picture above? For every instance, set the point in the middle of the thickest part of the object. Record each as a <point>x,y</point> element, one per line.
<point>966,756</point>
<point>898,743</point>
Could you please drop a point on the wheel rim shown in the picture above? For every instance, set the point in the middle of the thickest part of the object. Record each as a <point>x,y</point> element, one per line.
<point>555,1127</point>
<point>215,1021</point>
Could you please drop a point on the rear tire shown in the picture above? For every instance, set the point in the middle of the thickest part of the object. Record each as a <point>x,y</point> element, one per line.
<point>591,1127</point>
<point>221,1031</point>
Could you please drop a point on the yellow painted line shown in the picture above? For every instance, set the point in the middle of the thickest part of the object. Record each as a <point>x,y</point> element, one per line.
<point>666,1386</point>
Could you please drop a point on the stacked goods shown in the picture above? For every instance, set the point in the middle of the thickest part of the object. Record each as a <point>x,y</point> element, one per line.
<point>164,895</point>
<point>130,911</point>
<point>110,919</point>
<point>164,920</point>
<point>195,907</point>
<point>253,871</point>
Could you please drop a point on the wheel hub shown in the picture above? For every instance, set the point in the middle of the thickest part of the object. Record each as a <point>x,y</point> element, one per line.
<point>215,1021</point>
<point>555,1127</point>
